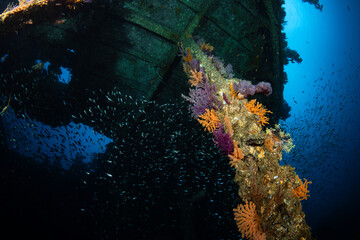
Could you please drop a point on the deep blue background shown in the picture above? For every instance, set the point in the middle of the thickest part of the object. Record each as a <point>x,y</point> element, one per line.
<point>323,92</point>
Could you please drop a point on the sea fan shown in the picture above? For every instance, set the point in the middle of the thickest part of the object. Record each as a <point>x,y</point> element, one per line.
<point>196,77</point>
<point>209,120</point>
<point>223,140</point>
<point>258,109</point>
<point>202,97</point>
<point>248,221</point>
<point>199,101</point>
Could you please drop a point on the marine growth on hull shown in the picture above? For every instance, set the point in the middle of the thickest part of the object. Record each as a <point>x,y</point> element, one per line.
<point>271,193</point>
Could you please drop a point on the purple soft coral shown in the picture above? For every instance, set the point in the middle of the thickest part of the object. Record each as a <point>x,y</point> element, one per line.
<point>246,88</point>
<point>264,88</point>
<point>211,94</point>
<point>203,97</point>
<point>195,64</point>
<point>223,140</point>
<point>199,101</point>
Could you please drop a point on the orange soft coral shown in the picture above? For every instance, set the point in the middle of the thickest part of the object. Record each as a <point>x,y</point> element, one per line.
<point>237,154</point>
<point>209,120</point>
<point>228,125</point>
<point>195,78</point>
<point>269,144</point>
<point>206,47</point>
<point>248,221</point>
<point>301,191</point>
<point>258,109</point>
<point>188,57</point>
<point>23,5</point>
<point>235,94</point>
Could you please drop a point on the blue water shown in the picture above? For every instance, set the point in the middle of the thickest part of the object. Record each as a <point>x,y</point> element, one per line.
<point>323,92</point>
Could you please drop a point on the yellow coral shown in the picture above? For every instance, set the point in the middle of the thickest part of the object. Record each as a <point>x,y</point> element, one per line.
<point>21,6</point>
<point>206,47</point>
<point>209,120</point>
<point>288,144</point>
<point>248,221</point>
<point>24,5</point>
<point>6,107</point>
<point>301,191</point>
<point>258,109</point>
<point>261,154</point>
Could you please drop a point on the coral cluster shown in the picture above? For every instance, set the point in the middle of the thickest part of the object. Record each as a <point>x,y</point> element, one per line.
<point>26,12</point>
<point>209,120</point>
<point>24,5</point>
<point>223,140</point>
<point>257,109</point>
<point>301,191</point>
<point>248,221</point>
<point>271,192</point>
